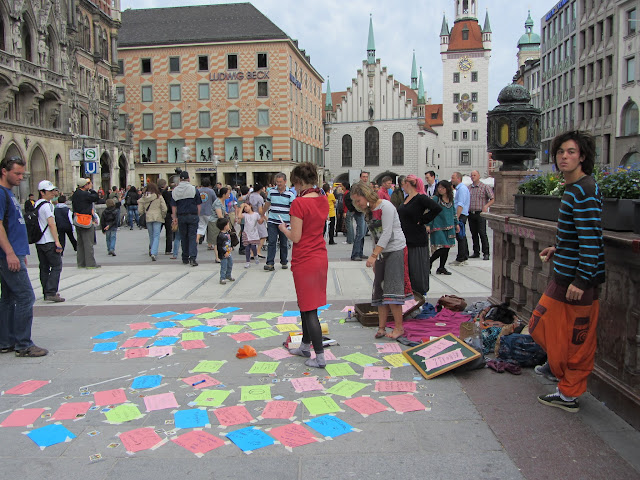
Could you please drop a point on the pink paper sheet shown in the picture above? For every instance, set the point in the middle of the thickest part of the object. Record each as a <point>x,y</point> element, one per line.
<point>69,411</point>
<point>192,344</point>
<point>444,359</point>
<point>229,416</point>
<point>134,343</point>
<point>208,381</point>
<point>365,405</point>
<point>436,347</point>
<point>393,386</point>
<point>198,441</point>
<point>280,409</point>
<point>139,439</point>
<point>243,337</point>
<point>22,418</point>
<point>241,318</point>
<point>306,384</point>
<point>27,387</point>
<point>110,397</point>
<point>160,401</point>
<point>170,332</point>
<point>283,320</point>
<point>376,373</point>
<point>136,353</point>
<point>405,403</point>
<point>160,351</point>
<point>278,353</point>
<point>140,326</point>
<point>217,322</point>
<point>292,435</point>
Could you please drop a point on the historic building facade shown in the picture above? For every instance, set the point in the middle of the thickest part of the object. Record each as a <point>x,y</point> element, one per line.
<point>232,98</point>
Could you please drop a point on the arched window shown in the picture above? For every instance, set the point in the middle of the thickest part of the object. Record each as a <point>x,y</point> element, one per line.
<point>86,37</point>
<point>630,119</point>
<point>371,147</point>
<point>27,54</point>
<point>2,44</point>
<point>51,49</point>
<point>346,151</point>
<point>397,149</point>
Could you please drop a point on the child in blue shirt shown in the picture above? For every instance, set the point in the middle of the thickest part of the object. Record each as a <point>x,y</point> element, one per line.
<point>223,244</point>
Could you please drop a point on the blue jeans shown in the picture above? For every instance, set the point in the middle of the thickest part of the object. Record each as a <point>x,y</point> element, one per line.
<point>16,306</point>
<point>132,212</point>
<point>188,226</point>
<point>349,220</point>
<point>358,243</point>
<point>154,236</point>
<point>111,240</point>
<point>226,265</point>
<point>274,234</point>
<point>176,243</point>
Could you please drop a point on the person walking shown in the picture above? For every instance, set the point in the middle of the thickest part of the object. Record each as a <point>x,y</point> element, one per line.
<point>279,201</point>
<point>357,251</point>
<point>131,202</point>
<point>442,229</point>
<point>64,223</point>
<point>153,206</point>
<point>461,202</point>
<point>207,195</point>
<point>349,210</point>
<point>29,205</point>
<point>481,198</point>
<point>332,212</point>
<point>257,202</point>
<point>17,298</point>
<point>250,236</point>
<point>185,211</point>
<point>82,202</point>
<point>168,231</point>
<point>225,250</point>
<point>217,212</point>
<point>109,225</point>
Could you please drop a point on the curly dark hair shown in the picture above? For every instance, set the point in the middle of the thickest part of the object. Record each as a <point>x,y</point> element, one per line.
<point>586,144</point>
<point>305,173</point>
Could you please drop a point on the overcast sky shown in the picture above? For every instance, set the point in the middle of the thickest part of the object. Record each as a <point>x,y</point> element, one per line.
<point>334,34</point>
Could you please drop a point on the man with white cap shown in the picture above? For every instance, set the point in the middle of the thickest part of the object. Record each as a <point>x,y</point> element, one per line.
<point>48,247</point>
<point>82,202</point>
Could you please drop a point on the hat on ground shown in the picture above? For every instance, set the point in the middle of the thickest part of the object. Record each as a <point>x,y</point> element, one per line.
<point>46,185</point>
<point>83,181</point>
<point>184,175</point>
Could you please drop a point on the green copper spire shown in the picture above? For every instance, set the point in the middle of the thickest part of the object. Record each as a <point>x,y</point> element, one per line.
<point>414,73</point>
<point>371,44</point>
<point>328,103</point>
<point>444,31</point>
<point>421,99</point>
<point>529,22</point>
<point>487,26</point>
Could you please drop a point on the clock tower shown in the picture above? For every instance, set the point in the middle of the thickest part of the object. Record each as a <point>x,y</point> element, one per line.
<point>465,52</point>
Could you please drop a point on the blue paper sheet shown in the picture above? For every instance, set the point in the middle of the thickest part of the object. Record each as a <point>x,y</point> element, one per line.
<point>105,347</point>
<point>191,418</point>
<point>250,438</point>
<point>146,381</point>
<point>329,426</point>
<point>147,333</point>
<point>165,341</point>
<point>107,335</point>
<point>291,313</point>
<point>50,435</point>
<point>228,310</point>
<point>324,307</point>
<point>166,324</point>
<point>204,328</point>
<point>183,316</point>
<point>163,314</point>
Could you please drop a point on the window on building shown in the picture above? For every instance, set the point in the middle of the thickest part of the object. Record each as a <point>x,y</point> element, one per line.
<point>597,105</point>
<point>631,21</point>
<point>456,97</point>
<point>203,91</point>
<point>174,93</point>
<point>176,120</point>
<point>599,69</point>
<point>474,117</point>
<point>122,122</point>
<point>610,26</point>
<point>630,119</point>
<point>346,150</point>
<point>174,64</point>
<point>465,135</point>
<point>454,135</point>
<point>456,77</point>
<point>145,65</point>
<point>434,115</point>
<point>262,60</point>
<point>148,151</point>
<point>263,89</point>
<point>631,69</point>
<point>371,147</point>
<point>120,67</point>
<point>147,121</point>
<point>465,157</point>
<point>456,118</point>
<point>607,105</point>
<point>474,76</point>
<point>600,31</point>
<point>232,90</point>
<point>474,96</point>
<point>147,93</point>
<point>397,149</point>
<point>609,65</point>
<point>232,61</point>
<point>263,118</point>
<point>120,95</point>
<point>474,135</point>
<point>233,118</point>
<point>203,63</point>
<point>581,111</point>
<point>204,119</point>
<point>465,33</point>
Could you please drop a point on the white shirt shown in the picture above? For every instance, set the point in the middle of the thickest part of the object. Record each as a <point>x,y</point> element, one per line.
<point>431,189</point>
<point>45,212</point>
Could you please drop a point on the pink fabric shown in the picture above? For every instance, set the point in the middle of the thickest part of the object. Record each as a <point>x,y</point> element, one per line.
<point>440,324</point>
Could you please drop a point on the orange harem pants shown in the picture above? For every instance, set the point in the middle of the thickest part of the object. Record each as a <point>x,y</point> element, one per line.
<point>567,332</point>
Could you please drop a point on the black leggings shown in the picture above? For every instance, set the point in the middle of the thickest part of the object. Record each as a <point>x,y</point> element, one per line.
<point>248,250</point>
<point>443,253</point>
<point>311,330</point>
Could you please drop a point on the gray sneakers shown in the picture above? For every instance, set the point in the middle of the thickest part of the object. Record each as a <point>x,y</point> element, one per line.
<point>32,351</point>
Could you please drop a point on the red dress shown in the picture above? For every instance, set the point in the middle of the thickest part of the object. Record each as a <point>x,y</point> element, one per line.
<point>309,262</point>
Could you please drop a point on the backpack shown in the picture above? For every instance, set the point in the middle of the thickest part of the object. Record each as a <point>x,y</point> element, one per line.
<point>34,233</point>
<point>521,349</point>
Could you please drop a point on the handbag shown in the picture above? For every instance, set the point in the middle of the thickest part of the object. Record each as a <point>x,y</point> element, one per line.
<point>451,302</point>
<point>234,237</point>
<point>82,220</point>
<point>143,216</point>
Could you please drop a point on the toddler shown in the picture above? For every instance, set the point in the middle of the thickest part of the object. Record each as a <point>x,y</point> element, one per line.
<point>109,222</point>
<point>250,235</point>
<point>224,250</point>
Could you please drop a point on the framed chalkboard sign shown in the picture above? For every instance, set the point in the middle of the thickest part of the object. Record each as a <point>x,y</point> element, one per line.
<point>440,355</point>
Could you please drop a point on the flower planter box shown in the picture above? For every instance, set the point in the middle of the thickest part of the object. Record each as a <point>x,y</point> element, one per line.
<point>542,207</point>
<point>617,214</point>
<point>636,216</point>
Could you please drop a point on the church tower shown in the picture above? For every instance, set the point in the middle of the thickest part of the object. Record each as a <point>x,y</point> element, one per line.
<point>465,52</point>
<point>529,43</point>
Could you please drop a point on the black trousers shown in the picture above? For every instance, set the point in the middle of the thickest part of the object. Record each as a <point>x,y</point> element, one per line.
<point>463,246</point>
<point>168,246</point>
<point>478,227</point>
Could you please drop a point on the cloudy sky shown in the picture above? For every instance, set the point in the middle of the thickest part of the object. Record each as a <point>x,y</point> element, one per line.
<point>334,34</point>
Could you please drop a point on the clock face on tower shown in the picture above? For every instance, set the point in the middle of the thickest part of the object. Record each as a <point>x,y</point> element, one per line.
<point>465,64</point>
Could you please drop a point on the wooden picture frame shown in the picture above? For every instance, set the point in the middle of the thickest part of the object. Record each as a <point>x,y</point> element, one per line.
<point>452,343</point>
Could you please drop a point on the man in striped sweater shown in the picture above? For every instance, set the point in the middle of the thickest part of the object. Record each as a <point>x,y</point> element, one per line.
<point>564,321</point>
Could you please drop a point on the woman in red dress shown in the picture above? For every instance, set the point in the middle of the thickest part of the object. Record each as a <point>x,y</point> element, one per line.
<point>309,262</point>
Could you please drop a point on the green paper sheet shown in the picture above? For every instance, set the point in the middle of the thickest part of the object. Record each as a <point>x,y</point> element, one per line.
<point>210,315</point>
<point>209,366</point>
<point>321,405</point>
<point>190,323</point>
<point>265,333</point>
<point>255,392</point>
<point>340,369</point>
<point>269,315</point>
<point>231,329</point>
<point>123,413</point>
<point>360,359</point>
<point>193,336</point>
<point>264,367</point>
<point>347,388</point>
<point>256,325</point>
<point>211,398</point>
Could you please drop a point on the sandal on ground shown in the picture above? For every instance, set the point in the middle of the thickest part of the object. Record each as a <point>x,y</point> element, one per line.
<point>496,365</point>
<point>392,337</point>
<point>381,333</point>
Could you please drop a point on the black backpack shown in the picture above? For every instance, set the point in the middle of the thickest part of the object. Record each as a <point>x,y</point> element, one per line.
<point>34,233</point>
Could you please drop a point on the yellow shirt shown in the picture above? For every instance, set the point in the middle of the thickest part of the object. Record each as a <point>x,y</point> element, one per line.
<point>332,204</point>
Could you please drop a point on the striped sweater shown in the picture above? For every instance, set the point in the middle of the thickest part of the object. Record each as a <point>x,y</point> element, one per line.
<point>579,256</point>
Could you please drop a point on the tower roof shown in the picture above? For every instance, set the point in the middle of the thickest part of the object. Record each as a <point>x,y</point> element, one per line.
<point>487,26</point>
<point>421,99</point>
<point>473,39</point>
<point>414,71</point>
<point>529,21</point>
<point>371,44</point>
<point>445,27</point>
<point>328,100</point>
<point>529,38</point>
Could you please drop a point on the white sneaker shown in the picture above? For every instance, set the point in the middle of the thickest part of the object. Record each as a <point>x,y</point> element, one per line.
<point>247,265</point>
<point>257,262</point>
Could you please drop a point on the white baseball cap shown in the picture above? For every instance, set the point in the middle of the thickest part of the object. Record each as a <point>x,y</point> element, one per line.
<point>46,185</point>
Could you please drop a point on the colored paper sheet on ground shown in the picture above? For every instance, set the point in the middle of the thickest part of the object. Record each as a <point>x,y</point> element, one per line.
<point>170,332</point>
<point>287,320</point>
<point>243,337</point>
<point>388,348</point>
<point>340,369</point>
<point>105,347</point>
<point>329,426</point>
<point>231,329</point>
<point>266,333</point>
<point>194,418</point>
<point>146,381</point>
<point>190,323</point>
<point>325,307</point>
<point>392,386</point>
<point>292,435</point>
<point>198,442</point>
<point>108,335</point>
<point>205,329</point>
<point>211,315</point>
<point>264,367</point>
<point>255,392</point>
<point>444,359</point>
<point>365,405</point>
<point>257,325</point>
<point>161,351</point>
<point>193,344</point>
<point>134,343</point>
<point>288,327</point>
<point>360,359</point>
<point>136,353</point>
<point>165,341</point>
<point>163,314</point>
<point>277,353</point>
<point>217,322</point>
<point>22,417</point>
<point>228,309</point>
<point>347,388</point>
<point>209,366</point>
<point>183,316</point>
<point>396,360</point>
<point>50,435</point>
<point>268,315</point>
<point>435,348</point>
<point>140,325</point>
<point>240,318</point>
<point>200,310</point>
<point>405,403</point>
<point>376,373</point>
<point>193,336</point>
<point>123,413</point>
<point>160,401</point>
<point>110,397</point>
<point>328,355</point>
<point>291,313</point>
<point>147,333</point>
<point>235,415</point>
<point>348,308</point>
<point>211,398</point>
<point>70,411</point>
<point>306,384</point>
<point>249,439</point>
<point>27,387</point>
<point>321,405</point>
<point>280,409</point>
<point>202,380</point>
<point>140,439</point>
<point>165,324</point>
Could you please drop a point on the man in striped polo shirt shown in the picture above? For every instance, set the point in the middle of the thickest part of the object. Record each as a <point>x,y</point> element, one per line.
<point>565,319</point>
<point>278,203</point>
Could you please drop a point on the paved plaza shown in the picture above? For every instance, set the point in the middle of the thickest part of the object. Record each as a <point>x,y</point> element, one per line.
<point>477,424</point>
